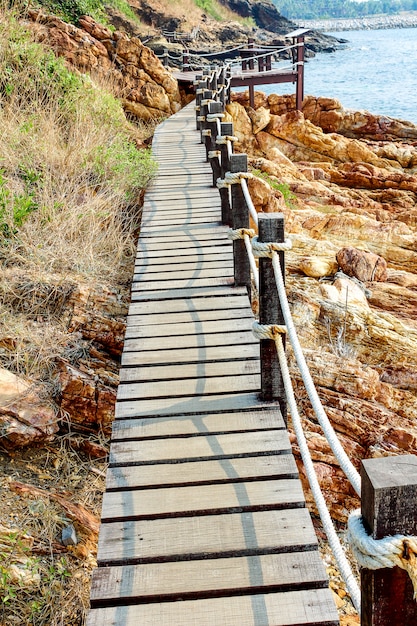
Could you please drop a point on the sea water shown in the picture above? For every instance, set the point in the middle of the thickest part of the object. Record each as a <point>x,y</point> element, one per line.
<point>375,71</point>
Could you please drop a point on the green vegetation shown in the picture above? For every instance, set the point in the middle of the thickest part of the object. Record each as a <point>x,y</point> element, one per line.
<point>288,195</point>
<point>72,10</point>
<point>330,9</point>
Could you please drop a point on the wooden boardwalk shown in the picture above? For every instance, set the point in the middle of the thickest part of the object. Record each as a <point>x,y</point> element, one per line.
<point>204,520</point>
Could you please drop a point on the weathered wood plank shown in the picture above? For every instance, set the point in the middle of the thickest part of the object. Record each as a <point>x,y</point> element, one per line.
<point>190,386</point>
<point>199,271</point>
<point>201,472</point>
<point>188,265</point>
<point>191,355</point>
<point>170,372</point>
<point>204,446</point>
<point>211,423</point>
<point>186,305</point>
<point>192,327</point>
<point>186,283</point>
<point>185,538</point>
<point>211,577</point>
<point>193,315</point>
<point>227,338</point>
<point>191,256</point>
<point>187,292</point>
<point>202,500</point>
<point>294,608</point>
<point>186,406</point>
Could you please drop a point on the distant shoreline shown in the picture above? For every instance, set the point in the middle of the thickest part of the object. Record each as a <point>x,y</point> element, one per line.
<point>373,22</point>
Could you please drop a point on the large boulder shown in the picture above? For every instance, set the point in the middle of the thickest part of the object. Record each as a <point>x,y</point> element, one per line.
<point>147,89</point>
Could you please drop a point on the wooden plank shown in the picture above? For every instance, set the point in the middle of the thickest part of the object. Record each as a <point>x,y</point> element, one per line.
<point>192,327</point>
<point>202,500</point>
<point>199,271</point>
<point>188,387</point>
<point>186,283</point>
<point>207,578</point>
<point>201,342</point>
<point>191,355</point>
<point>201,472</point>
<point>155,206</point>
<point>204,446</point>
<point>210,423</point>
<point>187,264</point>
<point>294,608</point>
<point>218,255</point>
<point>186,406</point>
<point>213,235</point>
<point>186,538</point>
<point>166,319</point>
<point>174,294</point>
<point>182,220</point>
<point>214,303</point>
<point>189,370</point>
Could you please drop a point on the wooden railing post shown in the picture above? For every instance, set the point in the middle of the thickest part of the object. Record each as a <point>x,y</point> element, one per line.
<point>240,219</point>
<point>226,130</point>
<point>201,85</point>
<point>271,229</point>
<point>206,97</point>
<point>211,146</point>
<point>389,506</point>
<point>213,79</point>
<point>300,74</point>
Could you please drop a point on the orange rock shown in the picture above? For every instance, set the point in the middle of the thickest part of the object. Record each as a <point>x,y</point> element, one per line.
<point>365,266</point>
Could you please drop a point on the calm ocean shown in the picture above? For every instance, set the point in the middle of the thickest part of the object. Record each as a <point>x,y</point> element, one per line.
<point>377,71</point>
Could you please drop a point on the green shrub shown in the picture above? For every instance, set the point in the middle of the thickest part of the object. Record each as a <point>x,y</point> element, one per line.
<point>289,196</point>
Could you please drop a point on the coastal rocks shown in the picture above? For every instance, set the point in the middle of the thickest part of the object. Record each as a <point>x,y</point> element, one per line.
<point>353,208</point>
<point>25,417</point>
<point>147,89</point>
<point>365,266</point>
<point>332,117</point>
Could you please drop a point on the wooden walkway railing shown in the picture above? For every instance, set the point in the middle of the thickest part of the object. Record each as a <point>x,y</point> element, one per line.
<point>204,519</point>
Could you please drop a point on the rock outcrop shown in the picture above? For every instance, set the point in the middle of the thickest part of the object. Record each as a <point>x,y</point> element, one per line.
<point>352,273</point>
<point>146,88</point>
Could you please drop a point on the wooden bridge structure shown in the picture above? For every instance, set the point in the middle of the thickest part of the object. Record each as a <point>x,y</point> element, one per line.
<point>256,68</point>
<point>204,519</point>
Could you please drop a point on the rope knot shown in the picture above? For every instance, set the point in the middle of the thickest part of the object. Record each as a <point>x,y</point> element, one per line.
<point>387,552</point>
<point>240,233</point>
<point>206,101</point>
<point>206,132</point>
<point>267,249</point>
<point>201,118</point>
<point>196,108</point>
<point>212,117</point>
<point>232,178</point>
<point>213,154</point>
<point>268,331</point>
<point>223,139</point>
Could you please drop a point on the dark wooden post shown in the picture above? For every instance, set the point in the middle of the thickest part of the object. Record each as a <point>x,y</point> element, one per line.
<point>300,73</point>
<point>165,57</point>
<point>240,219</point>
<point>389,507</point>
<point>213,107</point>
<point>211,146</point>
<point>198,98</point>
<point>271,229</point>
<point>185,60</point>
<point>206,96</point>
<point>227,81</point>
<point>226,129</point>
<point>213,79</point>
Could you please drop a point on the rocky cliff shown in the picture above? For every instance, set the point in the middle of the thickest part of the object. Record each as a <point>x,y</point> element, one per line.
<point>350,210</point>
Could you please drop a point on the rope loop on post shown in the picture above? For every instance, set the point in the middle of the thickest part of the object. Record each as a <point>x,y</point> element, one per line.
<point>196,108</point>
<point>206,101</point>
<point>198,92</point>
<point>268,331</point>
<point>212,117</point>
<point>212,154</point>
<point>267,249</point>
<point>232,179</point>
<point>397,550</point>
<point>239,233</point>
<point>223,139</point>
<point>201,118</point>
<point>206,132</point>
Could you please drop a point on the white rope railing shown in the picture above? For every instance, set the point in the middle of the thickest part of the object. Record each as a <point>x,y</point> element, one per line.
<point>246,234</point>
<point>251,206</point>
<point>326,520</point>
